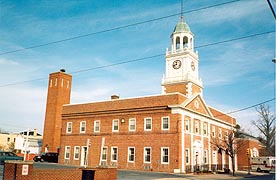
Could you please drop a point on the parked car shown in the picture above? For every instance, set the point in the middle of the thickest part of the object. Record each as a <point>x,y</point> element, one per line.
<point>48,157</point>
<point>6,155</point>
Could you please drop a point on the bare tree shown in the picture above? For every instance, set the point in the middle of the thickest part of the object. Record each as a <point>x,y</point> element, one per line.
<point>231,144</point>
<point>266,126</point>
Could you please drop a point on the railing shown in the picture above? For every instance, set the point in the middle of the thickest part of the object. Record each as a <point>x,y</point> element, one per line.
<point>205,168</point>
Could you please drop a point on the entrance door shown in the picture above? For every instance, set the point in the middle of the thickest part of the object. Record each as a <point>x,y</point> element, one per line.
<point>83,156</point>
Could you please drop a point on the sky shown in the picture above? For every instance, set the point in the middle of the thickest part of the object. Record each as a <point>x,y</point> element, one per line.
<point>92,40</point>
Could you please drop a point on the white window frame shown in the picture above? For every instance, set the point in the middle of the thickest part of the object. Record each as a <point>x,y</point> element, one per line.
<point>113,125</point>
<point>226,135</point>
<point>104,153</point>
<point>145,153</point>
<point>76,152</point>
<point>129,154</point>
<point>220,133</point>
<point>205,129</point>
<point>196,127</point>
<point>162,155</point>
<point>67,152</point>
<point>130,125</point>
<point>145,123</point>
<point>187,155</point>
<point>214,131</point>
<point>187,125</point>
<point>82,125</point>
<point>205,157</point>
<point>95,126</point>
<point>112,153</point>
<point>162,124</point>
<point>69,125</point>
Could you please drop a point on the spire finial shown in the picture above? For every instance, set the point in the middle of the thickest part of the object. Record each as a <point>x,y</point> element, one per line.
<point>182,16</point>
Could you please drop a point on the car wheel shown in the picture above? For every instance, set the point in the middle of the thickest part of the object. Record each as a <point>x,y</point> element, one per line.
<point>258,170</point>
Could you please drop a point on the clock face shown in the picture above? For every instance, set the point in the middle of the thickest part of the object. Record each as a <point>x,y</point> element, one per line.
<point>176,64</point>
<point>193,65</point>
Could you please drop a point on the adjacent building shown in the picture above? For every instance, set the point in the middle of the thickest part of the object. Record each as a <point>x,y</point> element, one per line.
<point>169,132</point>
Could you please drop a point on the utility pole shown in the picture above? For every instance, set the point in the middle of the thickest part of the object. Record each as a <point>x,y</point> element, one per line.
<point>26,144</point>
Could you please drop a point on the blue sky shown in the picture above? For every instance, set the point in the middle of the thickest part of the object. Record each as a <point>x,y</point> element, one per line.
<point>235,74</point>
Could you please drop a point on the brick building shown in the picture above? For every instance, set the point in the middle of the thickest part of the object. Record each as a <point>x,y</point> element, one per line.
<point>170,132</point>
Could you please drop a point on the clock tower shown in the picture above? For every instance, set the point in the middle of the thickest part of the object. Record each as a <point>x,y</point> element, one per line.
<point>182,73</point>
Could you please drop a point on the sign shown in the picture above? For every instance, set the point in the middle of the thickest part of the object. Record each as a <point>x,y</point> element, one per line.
<point>25,169</point>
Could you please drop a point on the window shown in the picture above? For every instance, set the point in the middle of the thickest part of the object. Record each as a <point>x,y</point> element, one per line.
<point>147,154</point>
<point>67,152</point>
<point>187,125</point>
<point>187,156</point>
<point>8,139</point>
<point>220,135</point>
<point>196,127</point>
<point>104,154</point>
<point>205,129</point>
<point>97,126</point>
<point>226,135</point>
<point>205,157</point>
<point>165,123</point>
<point>115,125</point>
<point>82,126</point>
<point>164,155</point>
<point>76,153</point>
<point>147,124</point>
<point>131,154</point>
<point>132,124</point>
<point>114,153</point>
<point>213,131</point>
<point>69,127</point>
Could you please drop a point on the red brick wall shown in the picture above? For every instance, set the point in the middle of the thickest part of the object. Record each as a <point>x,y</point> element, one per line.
<point>123,139</point>
<point>54,174</point>
<point>59,90</point>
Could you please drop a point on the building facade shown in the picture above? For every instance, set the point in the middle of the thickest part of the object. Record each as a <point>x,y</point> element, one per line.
<point>170,132</point>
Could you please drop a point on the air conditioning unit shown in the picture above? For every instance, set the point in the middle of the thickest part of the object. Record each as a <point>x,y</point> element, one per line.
<point>113,164</point>
<point>103,163</point>
<point>147,167</point>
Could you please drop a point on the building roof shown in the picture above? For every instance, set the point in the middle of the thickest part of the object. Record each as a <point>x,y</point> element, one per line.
<point>117,105</point>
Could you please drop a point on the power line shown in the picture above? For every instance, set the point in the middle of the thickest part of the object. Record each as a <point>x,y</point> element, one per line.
<point>249,107</point>
<point>140,59</point>
<point>112,29</point>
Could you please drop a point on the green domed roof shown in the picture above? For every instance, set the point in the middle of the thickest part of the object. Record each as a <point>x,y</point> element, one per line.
<point>181,27</point>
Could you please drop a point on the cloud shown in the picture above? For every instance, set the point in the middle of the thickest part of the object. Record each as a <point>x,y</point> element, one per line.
<point>22,107</point>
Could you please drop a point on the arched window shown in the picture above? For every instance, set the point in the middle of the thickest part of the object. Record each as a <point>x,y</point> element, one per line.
<point>185,41</point>
<point>177,43</point>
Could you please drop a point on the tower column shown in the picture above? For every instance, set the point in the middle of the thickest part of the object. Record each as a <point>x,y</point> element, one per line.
<point>59,91</point>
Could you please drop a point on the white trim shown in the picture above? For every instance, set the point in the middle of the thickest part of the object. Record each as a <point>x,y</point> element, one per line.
<point>162,148</point>
<point>81,123</point>
<point>113,130</point>
<point>111,154</point>
<point>67,125</point>
<point>65,152</point>
<point>162,123</point>
<point>145,154</point>
<point>128,154</point>
<point>105,147</point>
<point>95,122</point>
<point>75,147</point>
<point>146,124</point>
<point>189,156</point>
<point>130,124</point>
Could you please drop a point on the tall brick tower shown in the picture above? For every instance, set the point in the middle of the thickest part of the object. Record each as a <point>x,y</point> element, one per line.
<point>59,91</point>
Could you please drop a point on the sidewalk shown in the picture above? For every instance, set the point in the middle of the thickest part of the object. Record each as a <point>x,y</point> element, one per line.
<point>238,175</point>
